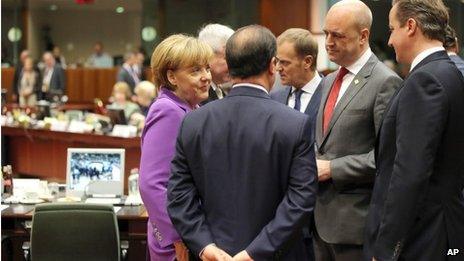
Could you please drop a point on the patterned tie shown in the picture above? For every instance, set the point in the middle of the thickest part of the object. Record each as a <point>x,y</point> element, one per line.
<point>219,93</point>
<point>298,94</point>
<point>332,99</point>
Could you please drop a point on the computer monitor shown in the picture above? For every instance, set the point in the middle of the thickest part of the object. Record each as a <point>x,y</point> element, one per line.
<point>95,172</point>
<point>116,115</point>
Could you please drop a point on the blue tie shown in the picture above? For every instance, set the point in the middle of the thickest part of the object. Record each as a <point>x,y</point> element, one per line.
<point>298,94</point>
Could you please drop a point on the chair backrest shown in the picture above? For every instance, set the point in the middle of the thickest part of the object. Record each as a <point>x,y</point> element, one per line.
<point>74,231</point>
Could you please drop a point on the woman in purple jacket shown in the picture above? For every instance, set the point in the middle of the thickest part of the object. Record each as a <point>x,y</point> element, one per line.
<point>180,67</point>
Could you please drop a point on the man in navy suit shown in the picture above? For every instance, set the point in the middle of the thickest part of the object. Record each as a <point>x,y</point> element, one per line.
<point>452,47</point>
<point>296,64</point>
<point>417,209</point>
<point>243,180</point>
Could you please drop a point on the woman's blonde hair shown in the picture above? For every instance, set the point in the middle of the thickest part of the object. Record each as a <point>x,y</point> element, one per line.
<point>175,52</point>
<point>122,87</point>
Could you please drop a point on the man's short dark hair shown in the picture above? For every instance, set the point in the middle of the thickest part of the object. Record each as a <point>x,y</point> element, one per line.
<point>250,50</point>
<point>431,16</point>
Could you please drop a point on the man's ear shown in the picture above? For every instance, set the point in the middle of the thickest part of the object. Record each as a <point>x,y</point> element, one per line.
<point>411,26</point>
<point>272,66</point>
<point>172,77</point>
<point>308,61</point>
<point>365,36</point>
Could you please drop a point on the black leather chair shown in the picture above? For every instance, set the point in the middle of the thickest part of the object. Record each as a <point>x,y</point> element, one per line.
<point>74,232</point>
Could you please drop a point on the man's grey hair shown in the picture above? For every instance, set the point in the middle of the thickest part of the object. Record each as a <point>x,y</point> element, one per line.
<point>215,35</point>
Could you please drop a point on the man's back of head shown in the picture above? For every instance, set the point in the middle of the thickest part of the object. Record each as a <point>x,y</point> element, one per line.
<point>250,53</point>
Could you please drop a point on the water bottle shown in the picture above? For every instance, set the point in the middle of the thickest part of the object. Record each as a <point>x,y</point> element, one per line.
<point>133,182</point>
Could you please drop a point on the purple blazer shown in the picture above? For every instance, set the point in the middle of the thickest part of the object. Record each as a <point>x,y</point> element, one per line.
<point>158,147</point>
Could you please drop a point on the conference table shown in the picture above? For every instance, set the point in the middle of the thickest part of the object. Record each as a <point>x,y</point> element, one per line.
<point>132,222</point>
<point>42,154</point>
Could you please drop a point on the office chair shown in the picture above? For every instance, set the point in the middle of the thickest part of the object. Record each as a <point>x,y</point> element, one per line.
<point>74,231</point>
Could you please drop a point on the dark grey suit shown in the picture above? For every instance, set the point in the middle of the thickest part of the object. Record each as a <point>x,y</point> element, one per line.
<point>343,200</point>
<point>458,62</point>
<point>417,209</point>
<point>57,83</point>
<point>125,76</point>
<point>242,178</point>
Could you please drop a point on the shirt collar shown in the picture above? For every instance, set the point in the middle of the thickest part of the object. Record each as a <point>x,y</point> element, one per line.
<point>214,86</point>
<point>312,85</point>
<point>166,93</point>
<point>358,65</point>
<point>422,55</point>
<point>250,85</point>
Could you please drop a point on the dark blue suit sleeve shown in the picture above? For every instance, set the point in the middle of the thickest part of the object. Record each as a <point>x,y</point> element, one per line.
<point>298,203</point>
<point>184,206</point>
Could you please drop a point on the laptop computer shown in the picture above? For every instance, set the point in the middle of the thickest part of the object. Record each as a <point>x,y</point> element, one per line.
<point>96,174</point>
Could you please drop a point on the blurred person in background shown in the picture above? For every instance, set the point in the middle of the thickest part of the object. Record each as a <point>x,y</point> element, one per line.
<point>180,67</point>
<point>127,73</point>
<point>121,98</point>
<point>53,80</point>
<point>59,58</point>
<point>28,84</point>
<point>18,71</point>
<point>452,48</point>
<point>145,94</point>
<point>139,65</point>
<point>100,59</point>
<point>216,36</point>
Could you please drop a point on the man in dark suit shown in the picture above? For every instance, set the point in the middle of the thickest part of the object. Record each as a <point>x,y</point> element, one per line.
<point>452,47</point>
<point>216,36</point>
<point>250,194</point>
<point>352,104</point>
<point>417,209</point>
<point>296,65</point>
<point>53,78</point>
<point>127,73</point>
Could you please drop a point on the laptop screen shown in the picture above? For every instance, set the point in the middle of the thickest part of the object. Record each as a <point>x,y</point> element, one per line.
<point>95,171</point>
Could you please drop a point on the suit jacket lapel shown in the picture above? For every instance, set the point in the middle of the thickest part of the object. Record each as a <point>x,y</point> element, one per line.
<point>313,103</point>
<point>355,86</point>
<point>327,82</point>
<point>283,98</point>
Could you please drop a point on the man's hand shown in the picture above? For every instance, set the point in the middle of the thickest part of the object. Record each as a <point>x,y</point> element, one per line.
<point>323,170</point>
<point>181,251</point>
<point>214,253</point>
<point>242,256</point>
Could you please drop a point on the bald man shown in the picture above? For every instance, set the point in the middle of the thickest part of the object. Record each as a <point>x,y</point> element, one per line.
<point>352,104</point>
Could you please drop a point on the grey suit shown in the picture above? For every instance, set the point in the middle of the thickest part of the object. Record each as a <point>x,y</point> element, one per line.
<point>343,200</point>
<point>458,61</point>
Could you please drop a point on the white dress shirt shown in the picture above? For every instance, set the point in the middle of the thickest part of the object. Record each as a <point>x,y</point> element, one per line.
<point>353,70</point>
<point>251,85</point>
<point>308,91</point>
<point>422,55</point>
